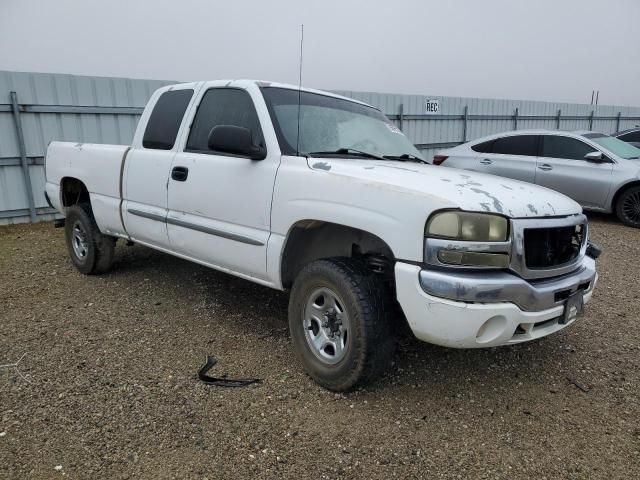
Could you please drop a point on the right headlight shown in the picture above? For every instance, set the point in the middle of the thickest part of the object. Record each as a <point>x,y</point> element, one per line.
<point>467,239</point>
<point>468,226</point>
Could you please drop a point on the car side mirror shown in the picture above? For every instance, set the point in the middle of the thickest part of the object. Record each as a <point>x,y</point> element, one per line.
<point>595,157</point>
<point>235,140</point>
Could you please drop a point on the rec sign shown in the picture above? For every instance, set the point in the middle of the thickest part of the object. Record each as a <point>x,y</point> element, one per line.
<point>432,107</point>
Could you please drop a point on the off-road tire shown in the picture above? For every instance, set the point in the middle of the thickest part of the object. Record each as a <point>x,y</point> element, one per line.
<point>99,248</point>
<point>368,301</point>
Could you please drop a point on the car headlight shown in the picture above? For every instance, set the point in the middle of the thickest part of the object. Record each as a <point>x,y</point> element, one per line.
<point>467,239</point>
<point>467,226</point>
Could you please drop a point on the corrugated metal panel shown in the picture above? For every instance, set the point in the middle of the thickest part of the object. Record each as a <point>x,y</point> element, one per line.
<point>118,128</point>
<point>41,128</point>
<point>438,130</point>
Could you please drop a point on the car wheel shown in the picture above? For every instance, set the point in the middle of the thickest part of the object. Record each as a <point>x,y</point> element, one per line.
<point>90,251</point>
<point>628,207</point>
<point>339,322</point>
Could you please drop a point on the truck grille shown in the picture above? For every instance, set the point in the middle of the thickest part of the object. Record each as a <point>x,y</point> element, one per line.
<point>551,247</point>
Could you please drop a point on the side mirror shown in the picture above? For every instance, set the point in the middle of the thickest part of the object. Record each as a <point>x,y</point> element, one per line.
<point>235,140</point>
<point>595,157</point>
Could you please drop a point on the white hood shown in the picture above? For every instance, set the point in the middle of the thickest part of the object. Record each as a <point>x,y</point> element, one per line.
<point>469,191</point>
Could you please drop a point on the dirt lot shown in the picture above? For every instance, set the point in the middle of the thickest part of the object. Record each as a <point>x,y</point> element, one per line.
<point>109,385</point>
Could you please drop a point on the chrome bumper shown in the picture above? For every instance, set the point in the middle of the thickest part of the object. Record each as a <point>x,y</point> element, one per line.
<point>492,287</point>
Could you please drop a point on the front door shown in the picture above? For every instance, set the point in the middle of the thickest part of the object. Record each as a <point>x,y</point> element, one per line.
<point>220,203</point>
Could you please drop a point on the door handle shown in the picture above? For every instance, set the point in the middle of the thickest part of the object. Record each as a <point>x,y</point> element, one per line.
<point>179,174</point>
<point>545,166</point>
<point>486,161</point>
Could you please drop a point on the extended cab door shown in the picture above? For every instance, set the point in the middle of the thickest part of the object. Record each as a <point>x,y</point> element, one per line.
<point>512,156</point>
<point>562,167</point>
<point>220,203</point>
<point>147,167</point>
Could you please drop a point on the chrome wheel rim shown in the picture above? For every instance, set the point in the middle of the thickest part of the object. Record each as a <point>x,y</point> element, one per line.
<point>79,241</point>
<point>326,326</point>
<point>631,207</point>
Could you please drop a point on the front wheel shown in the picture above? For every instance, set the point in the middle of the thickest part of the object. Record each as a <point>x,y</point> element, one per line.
<point>339,322</point>
<point>628,207</point>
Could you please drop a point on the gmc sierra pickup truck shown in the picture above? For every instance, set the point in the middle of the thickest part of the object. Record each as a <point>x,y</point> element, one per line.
<point>307,191</point>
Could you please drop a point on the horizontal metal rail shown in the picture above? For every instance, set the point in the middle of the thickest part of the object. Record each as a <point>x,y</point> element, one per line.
<point>511,117</point>
<point>24,212</point>
<point>81,109</point>
<point>15,161</point>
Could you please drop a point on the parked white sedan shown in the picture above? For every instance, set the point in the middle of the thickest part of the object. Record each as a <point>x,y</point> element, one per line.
<point>598,171</point>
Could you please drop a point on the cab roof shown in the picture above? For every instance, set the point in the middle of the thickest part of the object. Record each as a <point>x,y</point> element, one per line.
<point>243,83</point>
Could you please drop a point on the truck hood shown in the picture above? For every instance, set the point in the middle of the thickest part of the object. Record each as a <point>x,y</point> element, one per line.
<point>462,189</point>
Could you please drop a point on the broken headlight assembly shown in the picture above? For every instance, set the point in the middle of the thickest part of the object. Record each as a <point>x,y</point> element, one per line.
<point>467,239</point>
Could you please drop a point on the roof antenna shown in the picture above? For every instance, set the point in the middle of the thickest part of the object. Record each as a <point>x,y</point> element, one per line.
<point>299,89</point>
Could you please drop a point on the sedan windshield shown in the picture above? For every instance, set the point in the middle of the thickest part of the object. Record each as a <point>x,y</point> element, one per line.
<point>614,145</point>
<point>333,126</point>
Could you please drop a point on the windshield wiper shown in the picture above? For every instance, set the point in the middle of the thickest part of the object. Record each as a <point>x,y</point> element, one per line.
<point>346,151</point>
<point>406,157</point>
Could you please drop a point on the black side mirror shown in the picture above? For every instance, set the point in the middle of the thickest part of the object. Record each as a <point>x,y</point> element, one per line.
<point>235,140</point>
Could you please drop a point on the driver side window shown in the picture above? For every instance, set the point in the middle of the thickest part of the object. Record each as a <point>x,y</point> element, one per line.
<point>223,106</point>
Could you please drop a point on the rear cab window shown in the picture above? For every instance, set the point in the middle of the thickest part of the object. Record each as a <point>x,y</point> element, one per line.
<point>165,119</point>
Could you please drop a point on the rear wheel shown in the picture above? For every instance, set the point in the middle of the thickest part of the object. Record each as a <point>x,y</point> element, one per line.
<point>338,318</point>
<point>628,207</point>
<point>90,251</point>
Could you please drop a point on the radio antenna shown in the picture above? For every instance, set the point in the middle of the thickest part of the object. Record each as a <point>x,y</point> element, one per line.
<point>299,89</point>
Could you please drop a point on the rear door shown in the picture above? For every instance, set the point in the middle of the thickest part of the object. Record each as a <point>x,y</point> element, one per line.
<point>562,167</point>
<point>144,209</point>
<point>512,156</point>
<point>220,205</point>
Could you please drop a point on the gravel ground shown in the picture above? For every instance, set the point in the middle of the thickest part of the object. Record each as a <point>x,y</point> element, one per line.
<point>107,385</point>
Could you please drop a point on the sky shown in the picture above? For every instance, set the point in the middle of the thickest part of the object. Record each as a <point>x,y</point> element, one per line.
<point>553,50</point>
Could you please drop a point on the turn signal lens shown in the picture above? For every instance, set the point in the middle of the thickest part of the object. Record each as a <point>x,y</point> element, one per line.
<point>474,259</point>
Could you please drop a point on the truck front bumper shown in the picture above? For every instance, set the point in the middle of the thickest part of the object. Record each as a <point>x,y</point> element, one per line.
<point>474,310</point>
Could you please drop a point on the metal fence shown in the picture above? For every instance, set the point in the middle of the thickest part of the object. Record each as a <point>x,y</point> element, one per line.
<point>37,108</point>
<point>462,119</point>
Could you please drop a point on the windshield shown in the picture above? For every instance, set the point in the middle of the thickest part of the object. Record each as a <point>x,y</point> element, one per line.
<point>329,124</point>
<point>614,145</point>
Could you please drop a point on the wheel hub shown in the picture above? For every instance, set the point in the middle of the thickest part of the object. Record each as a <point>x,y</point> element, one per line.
<point>79,241</point>
<point>326,325</point>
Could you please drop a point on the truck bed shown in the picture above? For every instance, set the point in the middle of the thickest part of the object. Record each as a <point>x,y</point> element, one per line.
<point>83,161</point>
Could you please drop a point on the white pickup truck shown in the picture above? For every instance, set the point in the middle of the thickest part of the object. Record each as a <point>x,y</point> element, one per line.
<point>321,195</point>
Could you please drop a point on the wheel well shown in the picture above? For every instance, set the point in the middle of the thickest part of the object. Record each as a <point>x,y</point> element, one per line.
<point>73,191</point>
<point>311,240</point>
<point>614,201</point>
